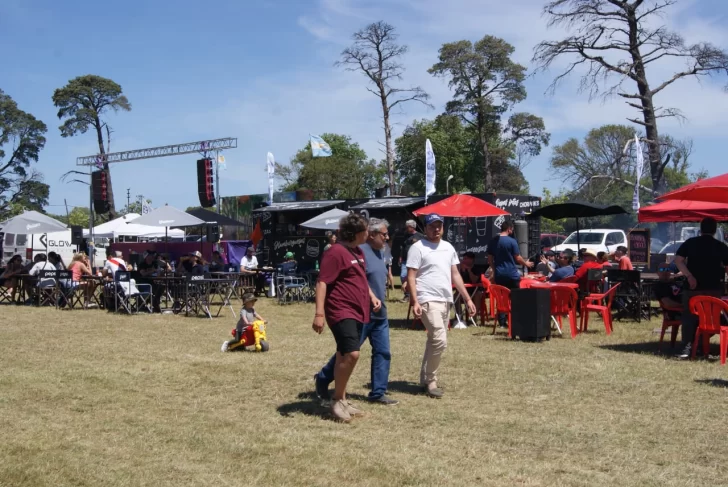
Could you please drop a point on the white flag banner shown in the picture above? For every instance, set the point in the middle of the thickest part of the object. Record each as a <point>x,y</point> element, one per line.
<point>639,162</point>
<point>271,174</point>
<point>429,170</point>
<point>221,163</point>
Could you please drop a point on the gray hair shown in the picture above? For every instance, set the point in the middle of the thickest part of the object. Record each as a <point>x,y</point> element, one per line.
<point>411,223</point>
<point>375,224</point>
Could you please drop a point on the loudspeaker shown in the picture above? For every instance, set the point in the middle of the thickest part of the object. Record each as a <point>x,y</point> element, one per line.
<point>76,235</point>
<point>531,313</point>
<point>99,185</point>
<point>205,184</point>
<point>213,233</point>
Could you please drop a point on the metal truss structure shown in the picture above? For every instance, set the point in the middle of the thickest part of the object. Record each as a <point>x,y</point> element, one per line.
<point>202,147</point>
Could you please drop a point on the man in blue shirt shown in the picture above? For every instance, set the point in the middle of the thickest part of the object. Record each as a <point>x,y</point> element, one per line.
<point>377,330</point>
<point>565,269</point>
<point>503,257</point>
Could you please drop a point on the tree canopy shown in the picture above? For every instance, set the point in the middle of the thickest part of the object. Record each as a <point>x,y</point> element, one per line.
<point>345,174</point>
<point>22,137</point>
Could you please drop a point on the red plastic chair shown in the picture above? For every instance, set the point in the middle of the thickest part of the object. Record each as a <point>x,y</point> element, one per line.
<point>709,311</point>
<point>502,297</point>
<point>593,302</point>
<point>667,322</point>
<point>563,303</point>
<point>571,279</point>
<point>484,312</point>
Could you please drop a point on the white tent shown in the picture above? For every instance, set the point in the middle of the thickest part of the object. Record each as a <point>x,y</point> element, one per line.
<point>120,226</point>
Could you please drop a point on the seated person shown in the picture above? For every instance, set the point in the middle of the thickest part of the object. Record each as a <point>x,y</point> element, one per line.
<point>603,258</point>
<point>248,316</point>
<point>80,267</point>
<point>565,268</point>
<point>470,274</point>
<point>114,264</point>
<point>152,266</point>
<point>8,279</point>
<point>668,292</point>
<point>56,260</point>
<point>621,258</point>
<point>192,265</point>
<point>546,263</point>
<point>248,265</point>
<point>217,264</point>
<point>289,264</point>
<point>590,262</point>
<point>42,263</point>
<point>330,240</point>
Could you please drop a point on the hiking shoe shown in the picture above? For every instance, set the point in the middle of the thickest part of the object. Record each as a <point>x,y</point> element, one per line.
<point>224,347</point>
<point>384,400</point>
<point>435,392</point>
<point>340,411</point>
<point>353,411</point>
<point>685,352</point>
<point>322,389</point>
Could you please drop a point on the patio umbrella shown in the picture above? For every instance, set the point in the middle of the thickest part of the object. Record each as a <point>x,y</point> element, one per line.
<point>682,211</point>
<point>215,218</point>
<point>461,206</point>
<point>576,209</point>
<point>32,222</point>
<point>713,189</point>
<point>328,220</point>
<point>168,216</point>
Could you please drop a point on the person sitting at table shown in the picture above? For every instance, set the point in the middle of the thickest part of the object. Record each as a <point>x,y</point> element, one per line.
<point>668,291</point>
<point>8,279</point>
<point>289,264</point>
<point>564,261</point>
<point>330,240</point>
<point>249,266</point>
<point>546,263</point>
<point>41,264</point>
<point>80,267</point>
<point>590,262</point>
<point>114,263</point>
<point>216,264</point>
<point>152,266</point>
<point>470,274</point>
<point>192,265</point>
<point>621,258</point>
<point>603,258</point>
<point>56,260</point>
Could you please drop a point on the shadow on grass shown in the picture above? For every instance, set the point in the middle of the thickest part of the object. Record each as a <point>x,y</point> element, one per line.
<point>714,382</point>
<point>648,348</point>
<point>405,324</point>
<point>308,404</point>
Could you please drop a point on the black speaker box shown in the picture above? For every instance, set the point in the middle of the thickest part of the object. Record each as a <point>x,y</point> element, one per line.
<point>205,184</point>
<point>213,233</point>
<point>100,194</point>
<point>531,314</point>
<point>76,235</point>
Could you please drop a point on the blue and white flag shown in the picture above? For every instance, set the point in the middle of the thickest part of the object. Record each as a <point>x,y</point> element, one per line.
<point>319,147</point>
<point>271,164</point>
<point>640,162</point>
<point>429,170</point>
<point>146,208</point>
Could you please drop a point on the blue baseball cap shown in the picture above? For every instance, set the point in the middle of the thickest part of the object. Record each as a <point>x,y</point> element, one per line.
<point>432,218</point>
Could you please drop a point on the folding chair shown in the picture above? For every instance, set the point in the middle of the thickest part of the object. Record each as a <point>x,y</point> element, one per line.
<point>197,295</point>
<point>47,295</point>
<point>64,289</point>
<point>128,296</point>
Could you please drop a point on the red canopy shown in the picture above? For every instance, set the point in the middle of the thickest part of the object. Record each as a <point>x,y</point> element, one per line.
<point>461,206</point>
<point>682,211</point>
<point>713,189</point>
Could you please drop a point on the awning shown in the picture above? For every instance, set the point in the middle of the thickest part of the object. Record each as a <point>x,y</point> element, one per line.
<point>299,206</point>
<point>215,218</point>
<point>382,203</point>
<point>682,211</point>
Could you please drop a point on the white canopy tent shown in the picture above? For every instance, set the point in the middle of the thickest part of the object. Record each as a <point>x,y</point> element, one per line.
<point>122,227</point>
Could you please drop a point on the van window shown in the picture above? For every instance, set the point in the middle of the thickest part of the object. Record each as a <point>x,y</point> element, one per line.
<point>614,238</point>
<point>21,240</point>
<point>9,240</point>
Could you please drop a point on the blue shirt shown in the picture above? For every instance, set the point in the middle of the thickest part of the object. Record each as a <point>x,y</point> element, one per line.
<point>562,273</point>
<point>376,277</point>
<point>504,251</point>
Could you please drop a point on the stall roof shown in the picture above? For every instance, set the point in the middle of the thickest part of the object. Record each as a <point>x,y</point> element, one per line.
<point>389,203</point>
<point>299,205</point>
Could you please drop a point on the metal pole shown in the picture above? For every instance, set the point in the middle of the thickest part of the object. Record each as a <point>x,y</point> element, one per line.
<point>91,215</point>
<point>217,178</point>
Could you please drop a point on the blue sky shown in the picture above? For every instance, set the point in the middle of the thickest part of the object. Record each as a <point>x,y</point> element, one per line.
<point>262,71</point>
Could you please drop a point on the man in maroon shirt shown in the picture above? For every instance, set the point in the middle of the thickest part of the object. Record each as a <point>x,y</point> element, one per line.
<point>343,298</point>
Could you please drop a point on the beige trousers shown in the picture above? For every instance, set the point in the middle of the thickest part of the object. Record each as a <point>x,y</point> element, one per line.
<point>435,317</point>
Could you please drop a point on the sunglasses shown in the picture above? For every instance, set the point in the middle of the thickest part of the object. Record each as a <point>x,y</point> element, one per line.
<point>663,269</point>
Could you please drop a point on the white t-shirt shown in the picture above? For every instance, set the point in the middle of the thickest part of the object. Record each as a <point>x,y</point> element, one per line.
<point>112,267</point>
<point>433,262</point>
<point>249,263</point>
<point>46,266</point>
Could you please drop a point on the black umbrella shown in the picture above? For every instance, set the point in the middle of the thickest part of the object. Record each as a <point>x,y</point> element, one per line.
<point>576,209</point>
<point>215,218</point>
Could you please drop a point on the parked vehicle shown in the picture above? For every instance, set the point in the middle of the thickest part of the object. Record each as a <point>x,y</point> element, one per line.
<point>670,248</point>
<point>548,240</point>
<point>655,245</point>
<point>12,244</point>
<point>690,232</point>
<point>596,240</point>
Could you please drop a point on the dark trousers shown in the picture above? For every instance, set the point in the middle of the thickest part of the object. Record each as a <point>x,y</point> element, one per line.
<point>689,320</point>
<point>510,283</point>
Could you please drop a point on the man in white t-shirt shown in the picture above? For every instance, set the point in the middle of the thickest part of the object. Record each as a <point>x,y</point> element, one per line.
<point>248,265</point>
<point>116,263</point>
<point>42,264</point>
<point>431,272</point>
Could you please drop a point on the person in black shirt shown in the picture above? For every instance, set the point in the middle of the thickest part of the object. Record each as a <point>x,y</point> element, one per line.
<point>152,266</point>
<point>192,264</point>
<point>703,261</point>
<point>217,264</point>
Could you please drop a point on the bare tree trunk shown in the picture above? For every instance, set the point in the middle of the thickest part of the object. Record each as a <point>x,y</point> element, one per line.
<point>388,142</point>
<point>102,152</point>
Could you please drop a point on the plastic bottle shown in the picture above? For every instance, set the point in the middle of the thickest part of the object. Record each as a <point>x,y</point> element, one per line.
<point>317,265</point>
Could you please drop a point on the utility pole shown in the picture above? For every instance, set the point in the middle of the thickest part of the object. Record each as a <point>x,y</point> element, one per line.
<point>128,198</point>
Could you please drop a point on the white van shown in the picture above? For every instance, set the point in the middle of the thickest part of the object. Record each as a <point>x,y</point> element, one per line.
<point>596,240</point>
<point>58,242</point>
<point>12,244</point>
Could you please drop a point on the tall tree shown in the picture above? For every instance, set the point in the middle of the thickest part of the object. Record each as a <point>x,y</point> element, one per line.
<point>83,103</point>
<point>619,40</point>
<point>376,54</point>
<point>22,137</point>
<point>347,173</point>
<point>487,84</point>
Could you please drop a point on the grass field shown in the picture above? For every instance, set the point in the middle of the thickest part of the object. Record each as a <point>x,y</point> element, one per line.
<point>94,399</point>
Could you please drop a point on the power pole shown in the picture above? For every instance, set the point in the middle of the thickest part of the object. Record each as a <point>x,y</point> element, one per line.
<point>128,198</point>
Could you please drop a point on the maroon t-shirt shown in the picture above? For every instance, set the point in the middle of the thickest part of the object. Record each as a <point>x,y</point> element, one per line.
<point>347,293</point>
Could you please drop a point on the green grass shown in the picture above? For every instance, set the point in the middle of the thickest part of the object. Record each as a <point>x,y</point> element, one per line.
<point>89,398</point>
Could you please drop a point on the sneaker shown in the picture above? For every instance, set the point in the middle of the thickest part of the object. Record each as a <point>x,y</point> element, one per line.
<point>224,347</point>
<point>354,412</point>
<point>340,411</point>
<point>434,392</point>
<point>322,390</point>
<point>384,400</point>
<point>685,353</point>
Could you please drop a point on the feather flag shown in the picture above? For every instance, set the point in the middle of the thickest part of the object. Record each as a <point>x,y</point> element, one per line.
<point>319,147</point>
<point>429,170</point>
<point>257,234</point>
<point>271,164</point>
<point>639,163</point>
